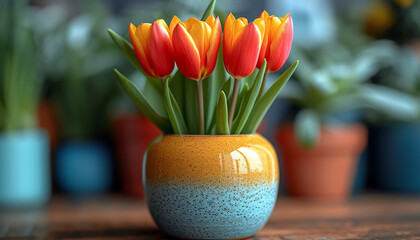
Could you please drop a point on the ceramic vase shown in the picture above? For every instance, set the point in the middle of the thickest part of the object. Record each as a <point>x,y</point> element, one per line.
<point>210,187</point>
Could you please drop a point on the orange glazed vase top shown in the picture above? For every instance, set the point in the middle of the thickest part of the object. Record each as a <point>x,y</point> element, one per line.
<point>211,187</point>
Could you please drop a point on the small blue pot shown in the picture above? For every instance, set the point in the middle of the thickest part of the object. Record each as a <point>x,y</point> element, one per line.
<point>83,168</point>
<point>25,178</point>
<point>395,154</point>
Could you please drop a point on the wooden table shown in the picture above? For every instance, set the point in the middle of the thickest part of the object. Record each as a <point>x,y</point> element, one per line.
<point>115,217</point>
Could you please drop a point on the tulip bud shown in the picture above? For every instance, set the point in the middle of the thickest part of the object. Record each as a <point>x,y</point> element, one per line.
<point>196,44</point>
<point>153,48</point>
<point>277,41</point>
<point>241,45</point>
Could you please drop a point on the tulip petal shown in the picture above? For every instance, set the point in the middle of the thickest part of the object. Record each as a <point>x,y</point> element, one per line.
<point>214,44</point>
<point>264,15</point>
<point>139,48</point>
<point>263,26</point>
<point>281,45</point>
<point>237,27</point>
<point>210,21</point>
<point>160,54</point>
<point>199,33</point>
<point>175,20</point>
<point>245,52</point>
<point>190,22</point>
<point>163,23</point>
<point>243,20</point>
<point>227,37</point>
<point>186,53</point>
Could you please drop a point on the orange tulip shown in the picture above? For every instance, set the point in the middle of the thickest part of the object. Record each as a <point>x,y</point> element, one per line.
<point>277,41</point>
<point>153,48</point>
<point>196,44</point>
<point>241,45</point>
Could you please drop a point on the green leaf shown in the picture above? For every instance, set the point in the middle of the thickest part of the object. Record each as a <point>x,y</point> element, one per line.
<point>211,89</point>
<point>250,79</point>
<point>174,113</point>
<point>263,104</point>
<point>191,106</point>
<point>126,48</point>
<point>128,51</point>
<point>241,119</point>
<point>222,124</point>
<point>176,85</point>
<point>227,87</point>
<point>209,10</point>
<point>307,128</point>
<point>142,104</point>
<point>241,98</point>
<point>155,97</point>
<point>389,103</point>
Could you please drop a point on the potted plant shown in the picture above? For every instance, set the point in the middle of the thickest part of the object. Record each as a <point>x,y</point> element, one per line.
<point>208,176</point>
<point>24,148</point>
<point>132,134</point>
<point>393,149</point>
<point>83,163</point>
<point>331,92</point>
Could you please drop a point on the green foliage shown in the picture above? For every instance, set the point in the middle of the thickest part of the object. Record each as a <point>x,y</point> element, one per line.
<point>406,25</point>
<point>79,65</point>
<point>180,98</point>
<point>19,78</point>
<point>222,125</point>
<point>333,83</point>
<point>307,127</point>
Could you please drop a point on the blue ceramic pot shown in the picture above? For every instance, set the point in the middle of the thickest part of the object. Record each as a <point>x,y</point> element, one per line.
<point>395,154</point>
<point>24,168</point>
<point>83,168</point>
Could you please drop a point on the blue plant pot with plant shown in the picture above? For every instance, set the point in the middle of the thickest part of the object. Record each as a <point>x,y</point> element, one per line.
<point>396,157</point>
<point>332,88</point>
<point>24,168</point>
<point>24,149</point>
<point>83,167</point>
<point>394,150</point>
<point>82,95</point>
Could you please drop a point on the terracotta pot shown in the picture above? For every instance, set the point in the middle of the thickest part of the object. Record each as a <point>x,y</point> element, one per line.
<point>327,170</point>
<point>47,120</point>
<point>211,187</point>
<point>133,133</point>
<point>415,44</point>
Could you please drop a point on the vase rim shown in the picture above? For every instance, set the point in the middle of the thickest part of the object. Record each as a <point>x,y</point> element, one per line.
<point>208,135</point>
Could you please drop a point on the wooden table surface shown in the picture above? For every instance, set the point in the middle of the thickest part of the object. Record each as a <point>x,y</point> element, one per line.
<point>115,217</point>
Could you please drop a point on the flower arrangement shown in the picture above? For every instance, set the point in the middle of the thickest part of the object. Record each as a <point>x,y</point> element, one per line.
<point>195,99</point>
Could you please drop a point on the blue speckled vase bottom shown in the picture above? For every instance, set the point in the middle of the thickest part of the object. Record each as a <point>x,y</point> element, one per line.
<point>204,211</point>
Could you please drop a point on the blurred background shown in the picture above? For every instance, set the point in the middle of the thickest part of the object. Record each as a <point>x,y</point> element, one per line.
<point>66,127</point>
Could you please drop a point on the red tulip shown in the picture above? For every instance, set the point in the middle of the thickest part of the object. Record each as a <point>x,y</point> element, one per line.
<point>153,48</point>
<point>277,41</point>
<point>241,45</point>
<point>196,44</point>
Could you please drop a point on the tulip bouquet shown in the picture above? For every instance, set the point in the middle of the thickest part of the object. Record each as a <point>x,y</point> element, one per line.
<point>195,98</point>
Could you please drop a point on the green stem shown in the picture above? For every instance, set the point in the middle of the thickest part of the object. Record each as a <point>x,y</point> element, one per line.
<point>200,106</point>
<point>233,101</point>
<point>262,86</point>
